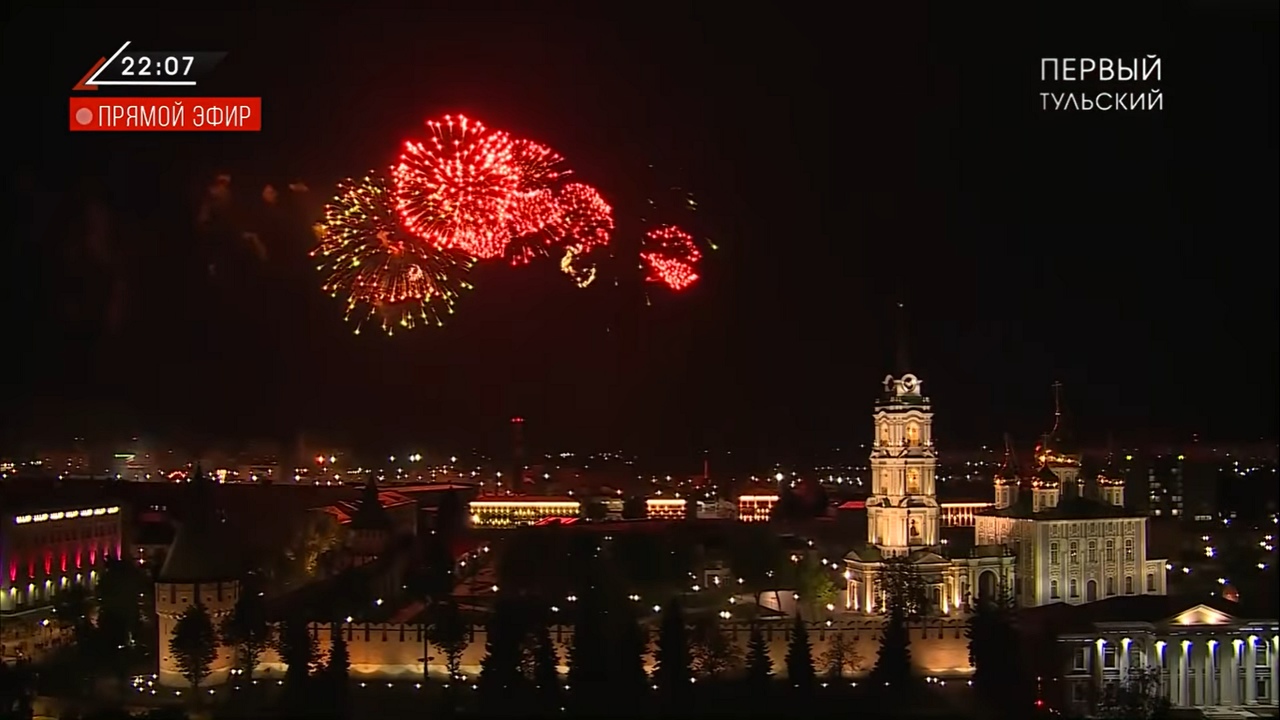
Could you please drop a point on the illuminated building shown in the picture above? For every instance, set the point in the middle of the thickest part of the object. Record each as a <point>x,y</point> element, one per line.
<point>904,517</point>
<point>756,508</point>
<point>1211,655</point>
<point>665,508</point>
<point>46,548</point>
<point>1071,548</point>
<point>521,510</point>
<point>200,569</point>
<point>961,514</point>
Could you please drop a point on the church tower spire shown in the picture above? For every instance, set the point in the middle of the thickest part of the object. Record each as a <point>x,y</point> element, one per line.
<point>1007,477</point>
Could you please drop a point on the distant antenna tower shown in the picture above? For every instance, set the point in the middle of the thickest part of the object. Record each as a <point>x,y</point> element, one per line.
<point>517,454</point>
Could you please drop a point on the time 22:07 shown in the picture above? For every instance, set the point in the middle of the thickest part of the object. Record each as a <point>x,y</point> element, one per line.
<point>144,66</point>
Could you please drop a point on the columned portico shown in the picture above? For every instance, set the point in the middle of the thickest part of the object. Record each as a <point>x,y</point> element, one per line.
<point>1200,658</point>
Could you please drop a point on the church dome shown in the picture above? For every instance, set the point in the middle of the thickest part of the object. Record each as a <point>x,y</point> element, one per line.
<point>1046,478</point>
<point>1110,476</point>
<point>1007,473</point>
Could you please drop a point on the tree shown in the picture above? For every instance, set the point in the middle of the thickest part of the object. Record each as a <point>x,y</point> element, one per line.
<point>246,630</point>
<point>500,669</point>
<point>545,672</point>
<point>672,669</point>
<point>448,633</point>
<point>300,653</point>
<point>433,579</point>
<point>589,653</point>
<point>713,651</point>
<point>789,506</point>
<point>814,584</point>
<point>841,657</point>
<point>120,593</point>
<point>194,644</point>
<point>634,508</point>
<point>800,656</point>
<point>759,663</point>
<point>71,610</point>
<point>627,674</point>
<point>1136,697</point>
<point>450,515</point>
<point>337,672</point>
<point>999,677</point>
<point>903,589</point>
<point>893,662</point>
<point>595,510</point>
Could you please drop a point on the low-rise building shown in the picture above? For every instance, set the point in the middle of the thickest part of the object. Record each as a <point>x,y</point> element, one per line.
<point>1207,654</point>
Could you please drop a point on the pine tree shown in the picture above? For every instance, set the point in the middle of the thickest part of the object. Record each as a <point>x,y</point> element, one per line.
<point>247,632</point>
<point>759,663</point>
<point>628,677</point>
<point>300,653</point>
<point>893,663</point>
<point>999,678</point>
<point>337,672</point>
<point>194,644</point>
<point>800,657</point>
<point>546,674</point>
<point>449,634</point>
<point>500,669</point>
<point>589,655</point>
<point>673,664</point>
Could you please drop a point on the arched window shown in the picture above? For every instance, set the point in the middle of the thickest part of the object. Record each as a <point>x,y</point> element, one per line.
<point>1075,552</point>
<point>1128,584</point>
<point>1074,587</point>
<point>1093,551</point>
<point>1128,549</point>
<point>913,482</point>
<point>1053,589</point>
<point>1151,582</point>
<point>1111,551</point>
<point>1111,586</point>
<point>913,435</point>
<point>1053,553</point>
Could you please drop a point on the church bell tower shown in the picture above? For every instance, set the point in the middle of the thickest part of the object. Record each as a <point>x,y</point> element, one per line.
<point>902,512</point>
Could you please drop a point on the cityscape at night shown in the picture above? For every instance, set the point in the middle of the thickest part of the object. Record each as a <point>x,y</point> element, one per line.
<point>556,360</point>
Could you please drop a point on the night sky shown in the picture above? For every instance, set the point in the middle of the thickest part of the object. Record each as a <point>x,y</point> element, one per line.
<point>843,162</point>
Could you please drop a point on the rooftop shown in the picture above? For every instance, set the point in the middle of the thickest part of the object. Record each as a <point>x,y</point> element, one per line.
<point>1068,508</point>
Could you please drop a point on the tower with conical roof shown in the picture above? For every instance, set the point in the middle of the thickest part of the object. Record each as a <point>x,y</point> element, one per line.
<point>369,535</point>
<point>200,568</point>
<point>1007,477</point>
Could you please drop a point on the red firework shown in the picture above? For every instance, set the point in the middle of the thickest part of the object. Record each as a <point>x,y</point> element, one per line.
<point>584,220</point>
<point>672,257</point>
<point>459,189</point>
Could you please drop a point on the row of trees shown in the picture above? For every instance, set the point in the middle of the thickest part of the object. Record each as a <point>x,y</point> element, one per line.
<point>660,566</point>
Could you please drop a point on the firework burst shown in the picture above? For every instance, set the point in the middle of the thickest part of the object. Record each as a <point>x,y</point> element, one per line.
<point>671,256</point>
<point>384,271</point>
<point>458,189</point>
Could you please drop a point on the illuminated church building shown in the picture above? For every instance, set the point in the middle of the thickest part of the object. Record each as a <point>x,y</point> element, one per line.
<point>903,513</point>
<point>1052,537</point>
<point>1075,538</point>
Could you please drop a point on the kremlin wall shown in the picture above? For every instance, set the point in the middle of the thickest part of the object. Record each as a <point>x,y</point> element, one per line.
<point>393,652</point>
